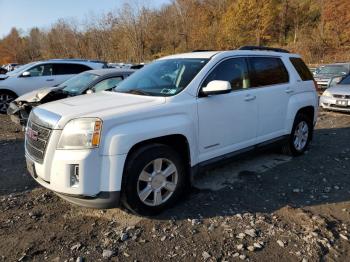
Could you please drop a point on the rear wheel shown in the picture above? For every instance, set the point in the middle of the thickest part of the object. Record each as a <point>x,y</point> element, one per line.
<point>154,179</point>
<point>300,136</point>
<point>5,99</point>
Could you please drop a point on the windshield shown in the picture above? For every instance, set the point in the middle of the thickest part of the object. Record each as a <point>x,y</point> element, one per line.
<point>78,83</point>
<point>345,81</point>
<point>20,69</point>
<point>334,70</point>
<point>162,77</point>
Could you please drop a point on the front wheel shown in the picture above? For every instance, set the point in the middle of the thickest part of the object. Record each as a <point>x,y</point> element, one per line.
<point>300,136</point>
<point>5,99</point>
<point>154,179</point>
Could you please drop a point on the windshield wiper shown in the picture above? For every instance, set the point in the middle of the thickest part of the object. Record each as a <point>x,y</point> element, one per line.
<point>137,92</point>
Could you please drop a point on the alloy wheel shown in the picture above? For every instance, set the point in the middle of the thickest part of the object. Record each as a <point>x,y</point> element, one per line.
<point>157,182</point>
<point>301,135</point>
<point>5,100</point>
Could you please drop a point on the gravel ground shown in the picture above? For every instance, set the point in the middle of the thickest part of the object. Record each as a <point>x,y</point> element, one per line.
<point>263,207</point>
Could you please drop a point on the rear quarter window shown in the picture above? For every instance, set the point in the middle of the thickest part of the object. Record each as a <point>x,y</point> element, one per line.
<point>265,71</point>
<point>301,68</point>
<point>69,69</point>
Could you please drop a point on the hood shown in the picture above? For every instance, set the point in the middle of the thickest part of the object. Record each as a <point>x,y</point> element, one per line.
<point>36,95</point>
<point>103,105</point>
<point>339,89</point>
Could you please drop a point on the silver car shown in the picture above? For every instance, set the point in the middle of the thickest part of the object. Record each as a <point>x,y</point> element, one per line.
<point>337,97</point>
<point>41,74</point>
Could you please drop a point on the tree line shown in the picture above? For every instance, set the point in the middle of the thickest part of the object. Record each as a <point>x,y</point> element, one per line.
<point>319,30</point>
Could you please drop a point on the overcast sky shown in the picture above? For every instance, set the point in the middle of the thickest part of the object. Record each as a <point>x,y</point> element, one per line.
<point>25,14</point>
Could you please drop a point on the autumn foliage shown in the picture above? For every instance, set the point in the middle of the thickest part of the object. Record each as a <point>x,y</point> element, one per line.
<point>317,29</point>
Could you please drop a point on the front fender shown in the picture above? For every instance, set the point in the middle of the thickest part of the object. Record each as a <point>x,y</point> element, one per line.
<point>121,138</point>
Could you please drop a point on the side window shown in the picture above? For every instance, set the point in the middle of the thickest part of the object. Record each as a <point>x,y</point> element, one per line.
<point>233,70</point>
<point>107,84</point>
<point>267,71</point>
<point>301,68</point>
<point>41,70</point>
<point>69,69</point>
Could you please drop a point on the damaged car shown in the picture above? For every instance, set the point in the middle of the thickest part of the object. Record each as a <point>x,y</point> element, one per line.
<point>84,83</point>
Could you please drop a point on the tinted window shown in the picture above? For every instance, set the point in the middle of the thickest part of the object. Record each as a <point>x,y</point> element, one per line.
<point>107,84</point>
<point>69,69</point>
<point>41,70</point>
<point>301,68</point>
<point>345,81</point>
<point>267,71</point>
<point>232,70</point>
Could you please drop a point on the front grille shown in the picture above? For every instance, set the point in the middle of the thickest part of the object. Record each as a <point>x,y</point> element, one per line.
<point>342,96</point>
<point>37,138</point>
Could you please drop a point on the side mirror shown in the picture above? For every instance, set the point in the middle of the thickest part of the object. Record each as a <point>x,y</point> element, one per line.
<point>217,87</point>
<point>26,74</point>
<point>335,80</point>
<point>90,91</point>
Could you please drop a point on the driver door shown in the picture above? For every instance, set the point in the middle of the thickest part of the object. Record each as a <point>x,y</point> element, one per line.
<point>227,122</point>
<point>40,76</point>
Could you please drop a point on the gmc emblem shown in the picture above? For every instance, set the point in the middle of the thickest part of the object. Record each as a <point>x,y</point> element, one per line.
<point>32,134</point>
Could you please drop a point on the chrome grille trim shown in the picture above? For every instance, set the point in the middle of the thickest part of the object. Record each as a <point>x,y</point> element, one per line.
<point>36,148</point>
<point>341,96</point>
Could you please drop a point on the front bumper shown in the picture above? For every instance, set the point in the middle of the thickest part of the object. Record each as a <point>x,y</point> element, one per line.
<point>330,103</point>
<point>17,114</point>
<point>101,201</point>
<point>99,182</point>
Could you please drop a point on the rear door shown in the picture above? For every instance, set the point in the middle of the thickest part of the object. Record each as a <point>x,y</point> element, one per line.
<point>227,122</point>
<point>64,71</point>
<point>270,78</point>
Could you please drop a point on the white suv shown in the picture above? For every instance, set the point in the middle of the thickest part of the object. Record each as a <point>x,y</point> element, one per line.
<point>40,74</point>
<point>142,144</point>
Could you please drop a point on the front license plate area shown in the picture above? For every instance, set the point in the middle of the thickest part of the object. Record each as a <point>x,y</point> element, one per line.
<point>342,103</point>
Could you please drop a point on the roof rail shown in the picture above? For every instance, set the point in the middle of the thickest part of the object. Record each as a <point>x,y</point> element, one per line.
<point>77,60</point>
<point>263,48</point>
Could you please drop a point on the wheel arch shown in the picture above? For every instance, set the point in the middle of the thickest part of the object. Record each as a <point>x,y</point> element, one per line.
<point>178,142</point>
<point>8,91</point>
<point>305,103</point>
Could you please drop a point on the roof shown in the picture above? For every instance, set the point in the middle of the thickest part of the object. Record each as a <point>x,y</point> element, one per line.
<point>199,55</point>
<point>210,54</point>
<point>111,71</point>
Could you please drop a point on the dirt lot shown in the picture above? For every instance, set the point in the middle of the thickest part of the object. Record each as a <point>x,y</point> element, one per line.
<point>264,207</point>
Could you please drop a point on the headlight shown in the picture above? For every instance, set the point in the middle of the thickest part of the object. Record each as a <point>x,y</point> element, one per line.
<point>327,94</point>
<point>82,133</point>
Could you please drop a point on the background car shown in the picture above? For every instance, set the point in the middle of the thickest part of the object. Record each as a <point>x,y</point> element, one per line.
<point>41,74</point>
<point>337,97</point>
<point>87,82</point>
<point>3,70</point>
<point>324,73</point>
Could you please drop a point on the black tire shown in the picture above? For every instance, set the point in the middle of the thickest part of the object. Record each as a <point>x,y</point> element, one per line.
<point>136,163</point>
<point>289,147</point>
<point>6,98</point>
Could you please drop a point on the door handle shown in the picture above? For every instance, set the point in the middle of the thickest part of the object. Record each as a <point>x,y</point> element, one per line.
<point>49,80</point>
<point>249,98</point>
<point>288,90</point>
